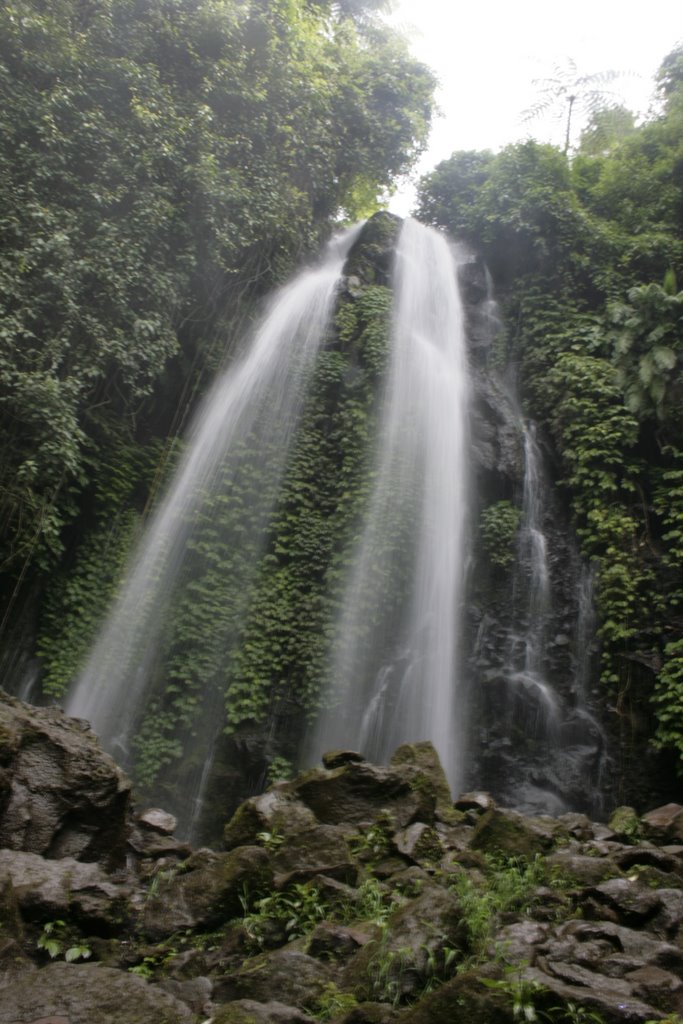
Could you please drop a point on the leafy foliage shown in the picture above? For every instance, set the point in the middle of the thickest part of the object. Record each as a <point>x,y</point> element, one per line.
<point>586,255</point>
<point>161,164</point>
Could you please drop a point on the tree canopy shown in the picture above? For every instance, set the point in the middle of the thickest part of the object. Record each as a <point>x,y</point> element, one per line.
<point>162,163</point>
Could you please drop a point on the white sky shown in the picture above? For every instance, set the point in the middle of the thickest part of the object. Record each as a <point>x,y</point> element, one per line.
<point>486,54</point>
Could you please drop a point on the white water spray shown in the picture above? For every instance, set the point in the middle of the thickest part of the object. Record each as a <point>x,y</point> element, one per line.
<point>394,668</point>
<point>260,398</point>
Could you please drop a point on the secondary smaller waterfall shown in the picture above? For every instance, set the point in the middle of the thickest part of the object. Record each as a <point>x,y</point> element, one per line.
<point>394,657</point>
<point>526,658</point>
<point>542,749</point>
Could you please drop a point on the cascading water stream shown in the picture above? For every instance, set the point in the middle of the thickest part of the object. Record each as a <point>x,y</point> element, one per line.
<point>255,403</point>
<point>527,656</point>
<point>395,651</point>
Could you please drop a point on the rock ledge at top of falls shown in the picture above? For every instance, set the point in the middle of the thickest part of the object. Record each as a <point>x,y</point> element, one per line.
<point>354,893</point>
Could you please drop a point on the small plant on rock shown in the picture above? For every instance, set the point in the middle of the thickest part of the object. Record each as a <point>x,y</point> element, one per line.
<point>520,990</point>
<point>332,1003</point>
<point>58,938</point>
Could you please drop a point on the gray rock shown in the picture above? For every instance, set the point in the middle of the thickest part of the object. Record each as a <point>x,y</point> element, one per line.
<point>623,900</point>
<point>338,758</point>
<point>285,975</point>
<point>206,893</point>
<point>64,888</point>
<point>665,823</point>
<point>157,821</point>
<point>662,988</point>
<point>419,842</point>
<point>582,870</point>
<point>322,851</point>
<point>411,947</point>
<point>61,795</point>
<point>276,813</point>
<point>88,993</point>
<point>248,1011</point>
<point>360,793</point>
<point>606,996</point>
<point>336,942</point>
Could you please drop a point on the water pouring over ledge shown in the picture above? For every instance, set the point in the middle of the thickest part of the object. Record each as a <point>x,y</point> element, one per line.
<point>395,653</point>
<point>410,571</point>
<point>260,399</point>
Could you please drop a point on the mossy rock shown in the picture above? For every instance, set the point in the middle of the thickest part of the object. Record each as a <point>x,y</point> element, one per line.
<point>508,834</point>
<point>429,773</point>
<point>462,1000</point>
<point>626,824</point>
<point>372,256</point>
<point>248,1011</point>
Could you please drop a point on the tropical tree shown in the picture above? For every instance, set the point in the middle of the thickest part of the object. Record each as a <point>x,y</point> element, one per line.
<point>567,92</point>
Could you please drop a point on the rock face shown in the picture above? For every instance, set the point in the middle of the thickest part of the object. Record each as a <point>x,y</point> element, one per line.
<point>60,794</point>
<point>356,894</point>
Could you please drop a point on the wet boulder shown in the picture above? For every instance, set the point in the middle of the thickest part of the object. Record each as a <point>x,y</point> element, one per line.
<point>206,891</point>
<point>322,851</point>
<point>358,793</point>
<point>248,1011</point>
<point>85,993</point>
<point>44,889</point>
<point>412,948</point>
<point>61,795</point>
<point>285,975</point>
<point>507,833</point>
<point>275,814</point>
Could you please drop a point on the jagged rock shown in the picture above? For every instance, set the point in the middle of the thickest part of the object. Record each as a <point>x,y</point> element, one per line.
<point>358,793</point>
<point>195,992</point>
<point>661,988</point>
<point>157,820</point>
<point>206,893</point>
<point>46,889</point>
<point>371,1013</point>
<point>419,842</point>
<point>509,833</point>
<point>475,802</point>
<point>668,921</point>
<point>338,758</point>
<point>148,843</point>
<point>424,758</point>
<point>335,941</point>
<point>248,1011</point>
<point>577,825</point>
<point>665,823</point>
<point>632,904</point>
<point>650,856</point>
<point>625,823</point>
<point>60,794</point>
<point>85,993</point>
<point>322,851</point>
<point>519,940</point>
<point>415,936</point>
<point>581,869</point>
<point>276,812</point>
<point>608,997</point>
<point>335,893</point>
<point>287,975</point>
<point>464,998</point>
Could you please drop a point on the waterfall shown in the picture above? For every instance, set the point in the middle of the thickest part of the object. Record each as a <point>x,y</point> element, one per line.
<point>526,665</point>
<point>394,656</point>
<point>543,749</point>
<point>255,404</point>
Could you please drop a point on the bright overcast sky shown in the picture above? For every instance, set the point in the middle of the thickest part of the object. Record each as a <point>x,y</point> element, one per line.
<point>486,55</point>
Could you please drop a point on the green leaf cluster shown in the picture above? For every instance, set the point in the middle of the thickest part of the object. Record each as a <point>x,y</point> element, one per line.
<point>585,253</point>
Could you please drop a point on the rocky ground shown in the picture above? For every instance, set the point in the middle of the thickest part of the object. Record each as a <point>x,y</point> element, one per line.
<point>354,893</point>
